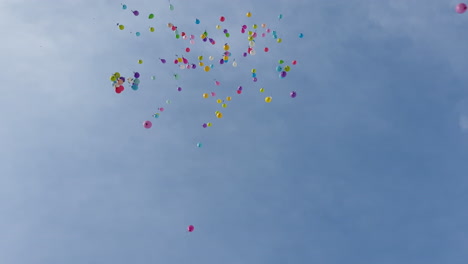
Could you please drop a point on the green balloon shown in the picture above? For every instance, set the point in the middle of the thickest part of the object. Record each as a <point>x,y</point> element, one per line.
<point>227,35</point>
<point>171,7</point>
<point>151,16</point>
<point>177,36</point>
<point>281,61</point>
<point>176,76</point>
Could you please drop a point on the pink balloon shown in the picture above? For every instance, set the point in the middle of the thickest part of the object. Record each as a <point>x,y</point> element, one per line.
<point>161,109</point>
<point>217,83</point>
<point>213,94</point>
<point>192,41</point>
<point>190,228</point>
<point>263,35</point>
<point>192,36</point>
<point>147,124</point>
<point>461,8</point>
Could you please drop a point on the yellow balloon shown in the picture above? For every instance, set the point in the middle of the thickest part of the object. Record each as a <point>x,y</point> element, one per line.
<point>228,98</point>
<point>117,75</point>
<point>250,33</point>
<point>224,105</point>
<point>219,101</point>
<point>226,47</point>
<point>248,14</point>
<point>219,115</point>
<point>287,68</point>
<point>218,27</point>
<point>279,40</point>
<point>180,59</point>
<point>268,99</point>
<point>209,124</point>
<point>121,27</point>
<point>113,79</point>
<point>201,63</point>
<point>249,38</point>
<point>254,26</point>
<point>225,58</point>
<point>151,29</point>
<point>216,112</point>
<point>140,61</point>
<point>200,57</point>
<point>207,68</point>
<point>202,36</point>
<point>262,90</point>
<point>205,95</point>
<point>253,70</point>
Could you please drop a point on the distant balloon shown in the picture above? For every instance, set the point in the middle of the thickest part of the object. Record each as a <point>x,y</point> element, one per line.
<point>222,19</point>
<point>147,124</point>
<point>461,8</point>
<point>136,75</point>
<point>293,94</point>
<point>138,34</point>
<point>179,89</point>
<point>301,35</point>
<point>268,99</point>
<point>197,21</point>
<point>198,145</point>
<point>124,7</point>
<point>151,16</point>
<point>136,13</point>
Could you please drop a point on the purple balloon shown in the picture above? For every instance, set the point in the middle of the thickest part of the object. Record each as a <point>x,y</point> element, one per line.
<point>239,88</point>
<point>221,61</point>
<point>179,89</point>
<point>244,26</point>
<point>461,8</point>
<point>136,75</point>
<point>293,94</point>
<point>163,60</point>
<point>136,13</point>
<point>225,31</point>
<point>204,125</point>
<point>205,39</point>
<point>194,66</point>
<point>283,74</point>
<point>245,54</point>
<point>255,79</point>
<point>122,78</point>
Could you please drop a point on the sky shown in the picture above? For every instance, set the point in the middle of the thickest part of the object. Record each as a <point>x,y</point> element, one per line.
<point>366,165</point>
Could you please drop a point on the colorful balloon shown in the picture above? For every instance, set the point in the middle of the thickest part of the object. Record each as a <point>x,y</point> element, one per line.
<point>191,229</point>
<point>147,124</point>
<point>138,34</point>
<point>136,13</point>
<point>293,94</point>
<point>151,16</point>
<point>268,99</point>
<point>121,27</point>
<point>136,75</point>
<point>222,19</point>
<point>302,35</point>
<point>197,21</point>
<point>461,8</point>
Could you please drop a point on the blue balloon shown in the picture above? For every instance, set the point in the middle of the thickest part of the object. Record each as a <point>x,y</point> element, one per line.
<point>254,75</point>
<point>197,21</point>
<point>137,34</point>
<point>136,81</point>
<point>279,69</point>
<point>135,87</point>
<point>124,7</point>
<point>199,145</point>
<point>301,35</point>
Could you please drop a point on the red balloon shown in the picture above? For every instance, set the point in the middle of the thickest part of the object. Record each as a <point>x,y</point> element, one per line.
<point>119,89</point>
<point>266,49</point>
<point>190,228</point>
<point>187,49</point>
<point>294,62</point>
<point>222,19</point>
<point>239,91</point>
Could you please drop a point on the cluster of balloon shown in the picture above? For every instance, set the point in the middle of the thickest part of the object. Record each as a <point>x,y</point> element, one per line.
<point>461,8</point>
<point>117,82</point>
<point>254,34</point>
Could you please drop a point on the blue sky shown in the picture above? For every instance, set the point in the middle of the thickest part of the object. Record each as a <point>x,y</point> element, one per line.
<point>366,165</point>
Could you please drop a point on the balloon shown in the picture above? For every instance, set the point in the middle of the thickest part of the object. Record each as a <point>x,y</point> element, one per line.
<point>201,63</point>
<point>461,8</point>
<point>281,61</point>
<point>222,19</point>
<point>176,76</point>
<point>254,26</point>
<point>294,62</point>
<point>163,61</point>
<point>151,16</point>
<point>228,98</point>
<point>211,58</point>
<point>207,68</point>
<point>254,71</point>
<point>280,16</point>
<point>121,27</point>
<point>302,35</point>
<point>221,61</point>
<point>279,40</point>
<point>205,95</point>
<point>187,49</point>
<point>117,75</point>
<point>268,99</point>
<point>136,81</point>
<point>263,35</point>
<point>219,101</point>
<point>113,79</point>
<point>283,74</point>
<point>266,49</point>
<point>161,109</point>
<point>140,61</point>
<point>136,13</point>
<point>217,83</point>
<point>218,27</point>
<point>234,64</point>
<point>239,91</point>
<point>197,21</point>
<point>151,29</point>
<point>227,35</point>
<point>119,89</point>
<point>192,41</point>
<point>226,47</point>
<point>135,87</point>
<point>124,7</point>
<point>293,94</point>
<point>278,68</point>
<point>253,52</point>
<point>153,77</point>
<point>287,68</point>
<point>209,124</point>
<point>198,145</point>
<point>179,89</point>
<point>138,34</point>
<point>204,125</point>
<point>147,124</point>
<point>182,66</point>
<point>245,54</point>
<point>255,79</point>
<point>263,25</point>
<point>168,101</point>
<point>224,105</point>
<point>194,66</point>
<point>239,88</point>
<point>136,75</point>
<point>176,61</point>
<point>248,14</point>
<point>219,115</point>
<point>225,31</point>
<point>200,57</point>
<point>156,115</point>
<point>254,75</point>
<point>262,90</point>
<point>171,7</point>
<point>213,94</point>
